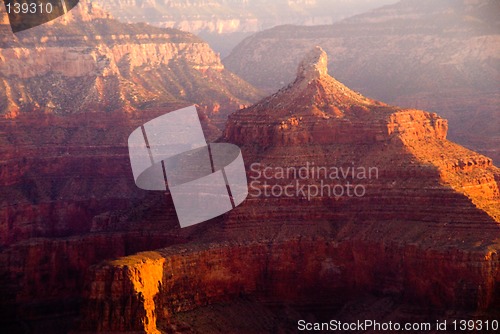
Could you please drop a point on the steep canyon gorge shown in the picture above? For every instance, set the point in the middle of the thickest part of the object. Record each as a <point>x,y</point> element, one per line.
<point>70,94</point>
<point>421,244</point>
<point>82,250</point>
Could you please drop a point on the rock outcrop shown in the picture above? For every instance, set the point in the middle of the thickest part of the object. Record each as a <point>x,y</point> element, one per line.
<point>423,234</point>
<point>439,56</point>
<point>318,109</point>
<point>150,291</point>
<point>87,61</point>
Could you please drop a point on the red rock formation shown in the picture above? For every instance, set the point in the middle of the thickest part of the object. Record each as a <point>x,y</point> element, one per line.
<point>147,291</point>
<point>436,55</point>
<point>71,92</point>
<point>424,234</point>
<point>318,109</point>
<point>88,61</point>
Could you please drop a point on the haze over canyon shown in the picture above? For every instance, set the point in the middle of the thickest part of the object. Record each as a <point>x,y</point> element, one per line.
<point>224,23</point>
<point>441,56</point>
<point>83,250</point>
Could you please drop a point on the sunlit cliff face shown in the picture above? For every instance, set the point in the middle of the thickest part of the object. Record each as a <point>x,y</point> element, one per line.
<point>87,61</point>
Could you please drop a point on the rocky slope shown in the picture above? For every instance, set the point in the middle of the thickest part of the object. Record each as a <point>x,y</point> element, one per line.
<point>71,92</point>
<point>75,89</point>
<point>440,56</point>
<point>87,61</point>
<point>420,244</point>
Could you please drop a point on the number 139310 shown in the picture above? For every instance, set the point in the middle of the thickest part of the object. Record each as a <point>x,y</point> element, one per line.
<point>476,325</point>
<point>14,7</point>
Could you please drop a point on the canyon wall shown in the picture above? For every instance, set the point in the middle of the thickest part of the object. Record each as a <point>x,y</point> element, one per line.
<point>424,233</point>
<point>87,61</point>
<point>143,293</point>
<point>71,92</point>
<point>226,23</point>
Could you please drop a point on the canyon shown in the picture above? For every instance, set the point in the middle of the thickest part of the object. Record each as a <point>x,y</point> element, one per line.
<point>71,92</point>
<point>440,56</point>
<point>420,245</point>
<point>83,250</point>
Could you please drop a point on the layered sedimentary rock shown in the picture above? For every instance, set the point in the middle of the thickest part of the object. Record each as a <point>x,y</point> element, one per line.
<point>440,56</point>
<point>70,97</point>
<point>86,61</point>
<point>146,292</point>
<point>422,236</point>
<point>71,92</point>
<point>345,116</point>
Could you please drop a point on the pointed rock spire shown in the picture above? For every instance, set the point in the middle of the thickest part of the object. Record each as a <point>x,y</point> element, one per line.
<point>314,65</point>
